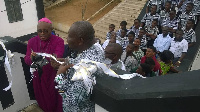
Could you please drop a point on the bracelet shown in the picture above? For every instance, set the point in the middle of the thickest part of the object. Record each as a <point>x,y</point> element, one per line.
<point>179,62</point>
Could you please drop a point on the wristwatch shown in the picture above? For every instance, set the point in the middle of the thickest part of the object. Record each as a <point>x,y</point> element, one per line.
<point>179,62</point>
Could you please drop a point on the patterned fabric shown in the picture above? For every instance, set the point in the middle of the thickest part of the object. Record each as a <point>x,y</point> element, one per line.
<point>177,48</point>
<point>190,35</point>
<point>148,18</point>
<point>138,55</point>
<point>163,15</point>
<point>74,93</point>
<point>162,43</point>
<point>174,2</point>
<point>130,62</point>
<point>196,9</point>
<point>136,31</point>
<point>151,30</point>
<point>197,12</point>
<point>170,23</point>
<point>93,53</point>
<point>165,67</point>
<point>155,2</point>
<point>108,35</point>
<point>183,18</point>
<point>119,32</point>
<point>183,7</point>
<point>143,44</point>
<point>124,42</point>
<point>118,65</point>
<point>160,3</point>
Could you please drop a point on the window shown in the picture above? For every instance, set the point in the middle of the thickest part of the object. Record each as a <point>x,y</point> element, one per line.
<point>14,10</point>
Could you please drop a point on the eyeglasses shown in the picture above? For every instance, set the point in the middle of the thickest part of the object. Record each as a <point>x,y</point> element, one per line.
<point>44,31</point>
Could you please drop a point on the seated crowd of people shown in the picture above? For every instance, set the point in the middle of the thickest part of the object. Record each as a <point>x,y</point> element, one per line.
<point>157,44</point>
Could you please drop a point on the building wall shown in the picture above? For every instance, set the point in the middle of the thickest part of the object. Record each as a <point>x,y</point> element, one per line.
<point>20,28</point>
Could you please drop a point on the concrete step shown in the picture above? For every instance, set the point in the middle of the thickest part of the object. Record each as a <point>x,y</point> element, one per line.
<point>134,7</point>
<point>127,10</point>
<point>104,27</point>
<point>101,36</point>
<point>101,30</point>
<point>124,15</point>
<point>126,18</point>
<point>116,21</point>
<point>123,11</point>
<point>56,4</point>
<point>108,21</point>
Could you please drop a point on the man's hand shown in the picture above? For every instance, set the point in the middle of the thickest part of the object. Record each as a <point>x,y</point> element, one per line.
<point>32,55</point>
<point>177,64</point>
<point>61,59</point>
<point>63,68</point>
<point>55,64</point>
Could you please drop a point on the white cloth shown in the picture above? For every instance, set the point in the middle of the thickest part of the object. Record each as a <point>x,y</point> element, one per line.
<point>162,43</point>
<point>8,58</point>
<point>177,48</point>
<point>84,69</point>
<point>99,45</point>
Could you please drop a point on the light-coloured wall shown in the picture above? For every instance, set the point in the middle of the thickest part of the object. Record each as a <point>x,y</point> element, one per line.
<point>20,28</point>
<point>19,87</point>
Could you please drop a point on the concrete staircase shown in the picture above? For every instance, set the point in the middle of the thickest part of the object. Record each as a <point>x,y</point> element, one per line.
<point>49,4</point>
<point>127,10</point>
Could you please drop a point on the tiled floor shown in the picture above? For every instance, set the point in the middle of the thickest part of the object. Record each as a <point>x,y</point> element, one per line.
<point>32,108</point>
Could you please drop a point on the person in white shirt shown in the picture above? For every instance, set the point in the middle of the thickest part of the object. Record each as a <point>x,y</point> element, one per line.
<point>113,37</point>
<point>179,47</point>
<point>162,42</point>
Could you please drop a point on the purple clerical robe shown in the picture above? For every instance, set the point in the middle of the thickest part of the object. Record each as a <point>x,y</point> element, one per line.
<point>46,95</point>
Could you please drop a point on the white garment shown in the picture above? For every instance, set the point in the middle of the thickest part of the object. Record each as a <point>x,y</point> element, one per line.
<point>162,43</point>
<point>177,48</point>
<point>107,42</point>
